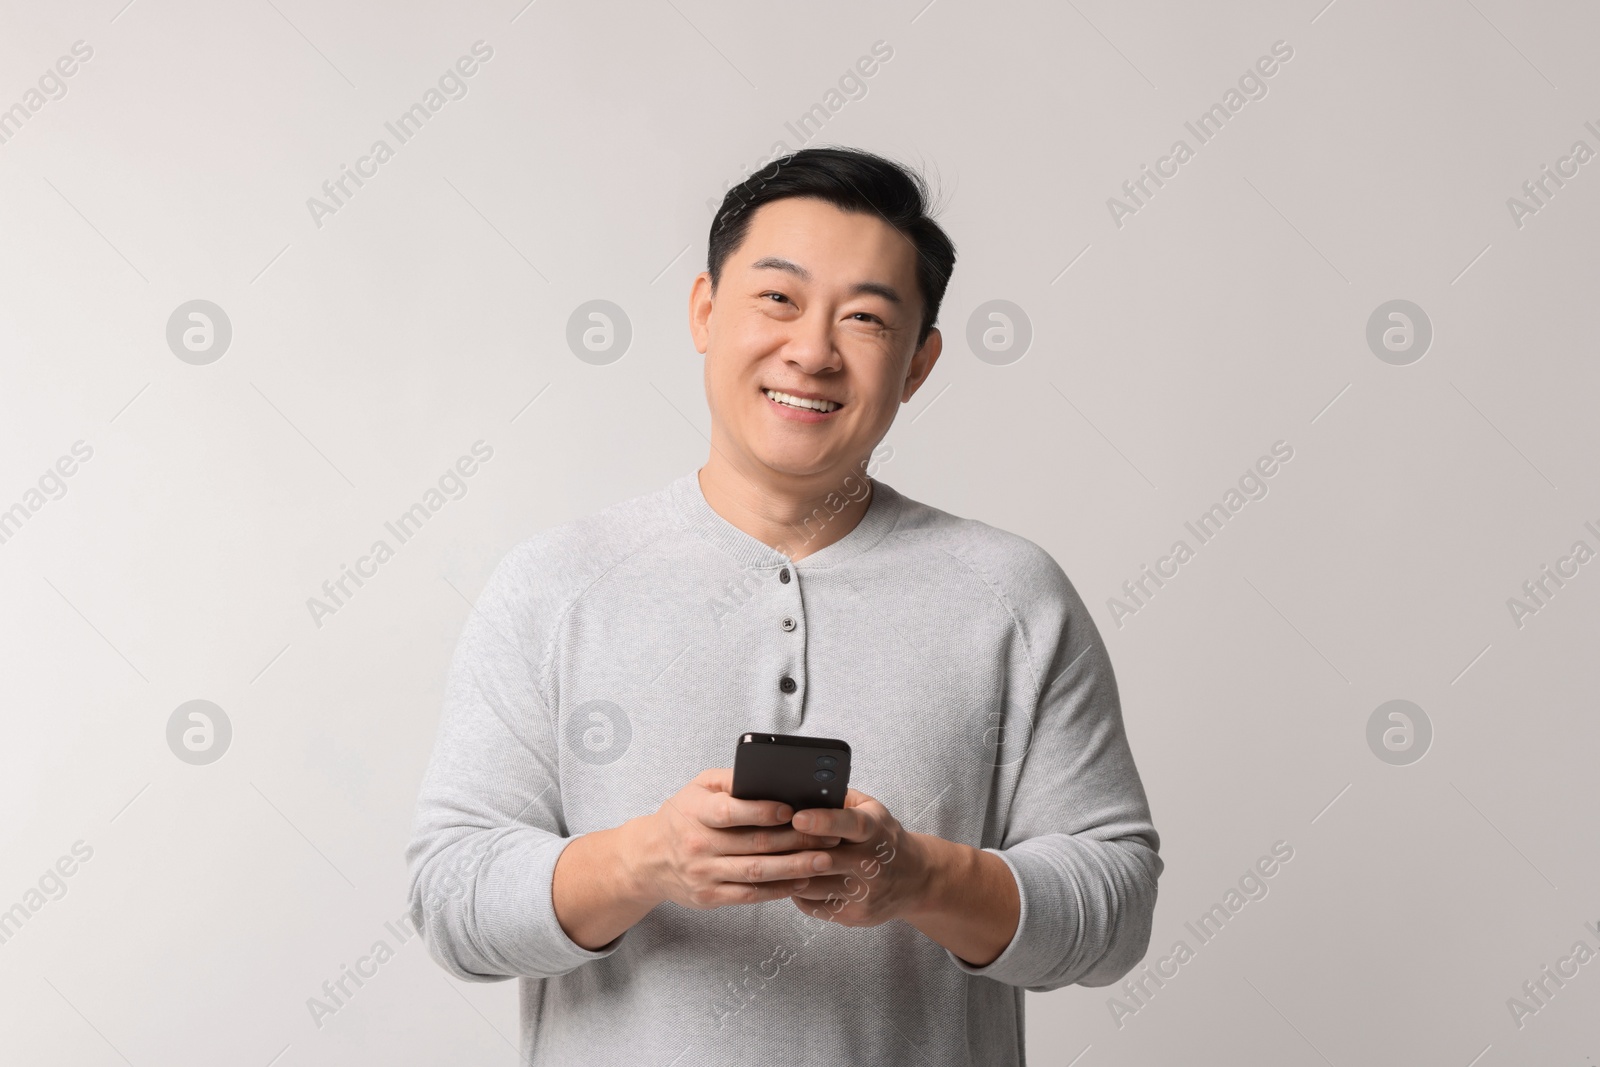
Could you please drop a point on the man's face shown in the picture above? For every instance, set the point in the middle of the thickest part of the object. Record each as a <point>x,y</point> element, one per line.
<point>817,303</point>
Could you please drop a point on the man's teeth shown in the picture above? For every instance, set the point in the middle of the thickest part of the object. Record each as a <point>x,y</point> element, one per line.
<point>799,402</point>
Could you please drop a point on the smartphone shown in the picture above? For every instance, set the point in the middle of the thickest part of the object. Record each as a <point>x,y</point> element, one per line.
<point>802,772</point>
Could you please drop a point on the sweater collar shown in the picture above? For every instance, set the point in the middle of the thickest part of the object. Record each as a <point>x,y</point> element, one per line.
<point>883,511</point>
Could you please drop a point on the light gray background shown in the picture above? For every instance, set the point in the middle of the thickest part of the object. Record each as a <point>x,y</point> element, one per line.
<point>369,353</point>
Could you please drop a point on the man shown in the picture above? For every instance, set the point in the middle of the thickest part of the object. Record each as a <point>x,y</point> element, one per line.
<point>576,829</point>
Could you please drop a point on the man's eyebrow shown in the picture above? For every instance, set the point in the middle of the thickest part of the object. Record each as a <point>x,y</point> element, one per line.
<point>887,292</point>
<point>779,263</point>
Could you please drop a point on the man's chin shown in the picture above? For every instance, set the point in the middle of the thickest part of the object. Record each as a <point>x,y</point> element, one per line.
<point>796,464</point>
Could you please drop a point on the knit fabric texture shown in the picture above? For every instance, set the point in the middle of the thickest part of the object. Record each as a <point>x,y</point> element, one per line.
<point>610,659</point>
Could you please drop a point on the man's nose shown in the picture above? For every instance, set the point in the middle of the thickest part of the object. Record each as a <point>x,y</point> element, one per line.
<point>809,345</point>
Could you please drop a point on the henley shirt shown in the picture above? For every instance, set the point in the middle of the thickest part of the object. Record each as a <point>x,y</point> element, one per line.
<point>612,658</point>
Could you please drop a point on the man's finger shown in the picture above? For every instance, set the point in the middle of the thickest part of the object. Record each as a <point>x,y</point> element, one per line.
<point>726,811</point>
<point>723,809</point>
<point>717,778</point>
<point>720,810</point>
<point>852,824</point>
<point>835,886</point>
<point>753,893</point>
<point>747,842</point>
<point>766,867</point>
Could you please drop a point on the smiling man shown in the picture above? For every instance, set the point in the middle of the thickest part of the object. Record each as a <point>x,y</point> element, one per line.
<point>576,828</point>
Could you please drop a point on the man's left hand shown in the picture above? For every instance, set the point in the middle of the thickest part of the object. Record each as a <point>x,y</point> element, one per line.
<point>878,871</point>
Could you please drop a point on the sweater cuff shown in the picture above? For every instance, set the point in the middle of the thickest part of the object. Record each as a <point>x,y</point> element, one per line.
<point>523,914</point>
<point>1046,924</point>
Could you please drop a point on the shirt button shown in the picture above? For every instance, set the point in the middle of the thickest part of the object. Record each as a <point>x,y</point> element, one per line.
<point>788,623</point>
<point>787,685</point>
<point>783,576</point>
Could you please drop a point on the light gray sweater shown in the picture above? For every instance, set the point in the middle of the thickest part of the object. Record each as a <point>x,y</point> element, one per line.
<point>614,657</point>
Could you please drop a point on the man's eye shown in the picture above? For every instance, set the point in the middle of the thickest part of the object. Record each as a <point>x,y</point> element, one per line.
<point>867,317</point>
<point>778,296</point>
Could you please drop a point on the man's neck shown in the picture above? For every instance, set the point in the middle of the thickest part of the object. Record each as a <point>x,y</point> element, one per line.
<point>797,520</point>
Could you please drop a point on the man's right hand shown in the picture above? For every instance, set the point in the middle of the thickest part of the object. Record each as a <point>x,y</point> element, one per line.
<point>705,848</point>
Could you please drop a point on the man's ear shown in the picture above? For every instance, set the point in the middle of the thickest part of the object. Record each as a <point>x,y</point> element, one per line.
<point>700,311</point>
<point>922,362</point>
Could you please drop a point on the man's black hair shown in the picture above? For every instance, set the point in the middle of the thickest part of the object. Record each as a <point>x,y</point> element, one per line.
<point>851,180</point>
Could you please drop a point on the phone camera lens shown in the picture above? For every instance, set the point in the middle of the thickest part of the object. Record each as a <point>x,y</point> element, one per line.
<point>827,761</point>
<point>824,775</point>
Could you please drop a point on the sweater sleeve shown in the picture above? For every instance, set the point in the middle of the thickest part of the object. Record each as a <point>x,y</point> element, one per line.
<point>488,827</point>
<point>1077,836</point>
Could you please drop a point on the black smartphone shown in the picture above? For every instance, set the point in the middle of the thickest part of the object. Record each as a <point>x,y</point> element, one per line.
<point>802,772</point>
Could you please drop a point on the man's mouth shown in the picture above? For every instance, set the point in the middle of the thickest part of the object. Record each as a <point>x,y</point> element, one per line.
<point>790,400</point>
